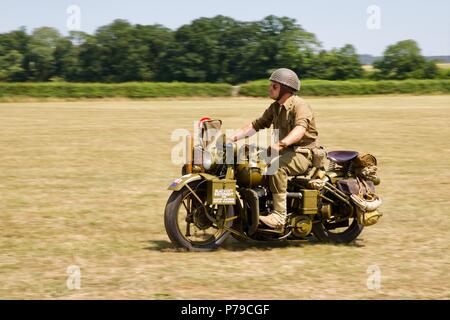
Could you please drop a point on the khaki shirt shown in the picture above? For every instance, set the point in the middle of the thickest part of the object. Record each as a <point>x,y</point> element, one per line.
<point>294,112</point>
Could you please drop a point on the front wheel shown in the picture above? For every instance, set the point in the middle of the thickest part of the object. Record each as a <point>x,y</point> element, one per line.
<point>193,224</point>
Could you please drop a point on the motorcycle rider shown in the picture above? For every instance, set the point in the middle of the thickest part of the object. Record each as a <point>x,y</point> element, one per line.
<point>294,119</point>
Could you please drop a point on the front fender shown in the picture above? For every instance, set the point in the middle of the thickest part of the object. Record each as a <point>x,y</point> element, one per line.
<point>180,182</point>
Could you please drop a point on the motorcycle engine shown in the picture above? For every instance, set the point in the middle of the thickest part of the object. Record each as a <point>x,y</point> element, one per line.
<point>301,225</point>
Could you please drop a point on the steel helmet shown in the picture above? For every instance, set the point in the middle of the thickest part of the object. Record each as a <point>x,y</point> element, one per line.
<point>287,77</point>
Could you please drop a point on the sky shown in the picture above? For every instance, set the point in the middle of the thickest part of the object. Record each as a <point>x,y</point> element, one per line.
<point>369,25</point>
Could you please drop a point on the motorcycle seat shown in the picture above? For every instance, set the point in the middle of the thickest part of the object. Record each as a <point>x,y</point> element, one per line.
<point>342,156</point>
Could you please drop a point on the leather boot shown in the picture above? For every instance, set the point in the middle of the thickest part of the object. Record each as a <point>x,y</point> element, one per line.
<point>277,218</point>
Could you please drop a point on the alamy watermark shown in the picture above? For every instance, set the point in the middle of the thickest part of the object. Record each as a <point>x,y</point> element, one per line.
<point>73,281</point>
<point>374,278</point>
<point>73,21</point>
<point>373,21</point>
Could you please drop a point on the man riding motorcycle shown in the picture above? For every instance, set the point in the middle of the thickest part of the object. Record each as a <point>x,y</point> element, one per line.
<point>294,119</point>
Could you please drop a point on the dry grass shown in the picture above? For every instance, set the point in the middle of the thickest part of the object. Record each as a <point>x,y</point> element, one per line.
<point>443,65</point>
<point>369,67</point>
<point>84,183</point>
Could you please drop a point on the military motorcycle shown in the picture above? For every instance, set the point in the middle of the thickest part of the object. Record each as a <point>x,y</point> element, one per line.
<point>224,189</point>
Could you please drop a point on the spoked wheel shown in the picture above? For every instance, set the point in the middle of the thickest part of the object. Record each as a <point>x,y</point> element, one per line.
<point>338,230</point>
<point>193,224</point>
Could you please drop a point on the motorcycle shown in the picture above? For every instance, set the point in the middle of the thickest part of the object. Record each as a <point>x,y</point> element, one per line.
<point>224,189</point>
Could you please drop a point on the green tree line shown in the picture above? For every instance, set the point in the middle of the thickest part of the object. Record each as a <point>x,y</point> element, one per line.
<point>218,49</point>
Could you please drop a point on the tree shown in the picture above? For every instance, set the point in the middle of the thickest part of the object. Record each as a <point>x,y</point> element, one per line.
<point>294,46</point>
<point>13,48</point>
<point>218,49</point>
<point>404,60</point>
<point>200,51</point>
<point>66,56</point>
<point>221,49</point>
<point>340,64</point>
<point>41,48</point>
<point>128,53</point>
<point>10,64</point>
<point>89,57</point>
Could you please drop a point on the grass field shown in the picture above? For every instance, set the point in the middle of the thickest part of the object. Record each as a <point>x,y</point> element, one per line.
<point>444,65</point>
<point>84,183</point>
<point>369,67</point>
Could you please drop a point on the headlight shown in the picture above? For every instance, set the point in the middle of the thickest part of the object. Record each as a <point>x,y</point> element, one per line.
<point>206,160</point>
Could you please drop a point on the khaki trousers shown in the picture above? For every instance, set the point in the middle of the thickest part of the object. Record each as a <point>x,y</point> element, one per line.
<point>291,163</point>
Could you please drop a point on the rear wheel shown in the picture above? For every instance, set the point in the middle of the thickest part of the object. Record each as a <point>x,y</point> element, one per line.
<point>326,232</point>
<point>344,227</point>
<point>193,224</point>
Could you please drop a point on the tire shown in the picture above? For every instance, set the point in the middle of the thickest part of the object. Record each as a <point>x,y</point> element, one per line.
<point>347,236</point>
<point>175,234</point>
